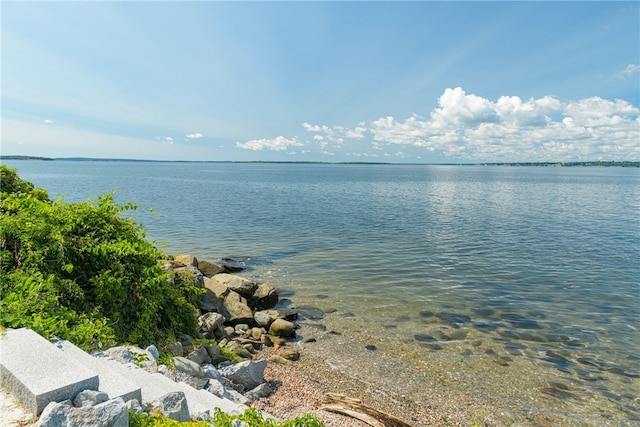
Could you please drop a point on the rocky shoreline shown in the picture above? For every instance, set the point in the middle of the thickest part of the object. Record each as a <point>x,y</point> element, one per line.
<point>248,352</point>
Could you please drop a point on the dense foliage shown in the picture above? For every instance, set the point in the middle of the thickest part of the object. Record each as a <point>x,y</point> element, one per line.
<point>251,418</point>
<point>84,272</point>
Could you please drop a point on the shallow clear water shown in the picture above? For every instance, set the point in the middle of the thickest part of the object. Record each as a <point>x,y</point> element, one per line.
<point>530,267</point>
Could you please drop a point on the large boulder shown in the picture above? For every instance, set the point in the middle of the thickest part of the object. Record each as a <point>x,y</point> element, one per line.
<point>218,288</point>
<point>239,311</point>
<point>112,413</point>
<point>209,269</point>
<point>185,260</point>
<point>210,302</point>
<point>249,373</point>
<point>241,285</point>
<point>264,297</point>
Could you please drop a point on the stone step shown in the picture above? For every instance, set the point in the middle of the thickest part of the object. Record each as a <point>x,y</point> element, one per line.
<point>156,385</point>
<point>36,372</point>
<point>112,381</point>
<point>148,387</point>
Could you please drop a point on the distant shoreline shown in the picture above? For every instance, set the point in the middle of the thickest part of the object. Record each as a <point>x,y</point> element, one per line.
<point>598,163</point>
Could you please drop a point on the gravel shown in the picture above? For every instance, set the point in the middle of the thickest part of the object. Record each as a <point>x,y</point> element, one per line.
<point>301,386</point>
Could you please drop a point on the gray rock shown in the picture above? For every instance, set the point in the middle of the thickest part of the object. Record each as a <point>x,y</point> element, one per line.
<point>235,396</point>
<point>211,322</point>
<point>174,406</point>
<point>264,297</point>
<point>201,416</point>
<point>143,359</point>
<point>216,388</point>
<point>189,367</point>
<point>212,373</point>
<point>112,413</point>
<point>310,312</point>
<point>260,391</point>
<point>263,318</point>
<point>90,398</point>
<point>212,349</point>
<point>282,328</point>
<point>241,285</point>
<point>176,348</point>
<point>187,340</point>
<point>164,370</point>
<point>249,373</point>
<point>121,353</point>
<point>199,356</point>
<point>191,272</point>
<point>153,350</point>
<point>238,349</point>
<point>135,406</point>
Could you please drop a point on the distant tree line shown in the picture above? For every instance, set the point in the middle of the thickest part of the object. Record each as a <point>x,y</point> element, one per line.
<point>627,164</point>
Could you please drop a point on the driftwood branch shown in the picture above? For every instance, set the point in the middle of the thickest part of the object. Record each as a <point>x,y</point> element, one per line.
<point>354,408</point>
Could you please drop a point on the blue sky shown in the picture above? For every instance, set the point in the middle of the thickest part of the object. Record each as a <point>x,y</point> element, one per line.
<point>432,82</point>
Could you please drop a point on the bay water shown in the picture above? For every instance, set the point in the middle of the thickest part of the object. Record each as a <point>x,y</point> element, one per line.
<point>514,289</point>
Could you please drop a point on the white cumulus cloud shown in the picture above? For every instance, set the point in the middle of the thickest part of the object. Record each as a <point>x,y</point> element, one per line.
<point>194,135</point>
<point>279,143</point>
<point>471,127</point>
<point>48,121</point>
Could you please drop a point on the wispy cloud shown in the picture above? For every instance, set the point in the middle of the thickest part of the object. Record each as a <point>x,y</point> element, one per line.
<point>335,135</point>
<point>279,143</point>
<point>194,135</point>
<point>165,139</point>
<point>629,71</point>
<point>48,121</point>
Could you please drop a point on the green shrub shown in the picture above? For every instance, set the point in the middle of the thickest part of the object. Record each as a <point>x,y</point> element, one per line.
<point>84,272</point>
<point>251,418</point>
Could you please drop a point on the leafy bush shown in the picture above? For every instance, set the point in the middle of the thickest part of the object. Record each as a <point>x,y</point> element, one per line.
<point>250,418</point>
<point>84,272</point>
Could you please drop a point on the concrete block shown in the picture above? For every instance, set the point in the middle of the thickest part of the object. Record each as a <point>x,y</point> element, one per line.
<point>113,380</point>
<point>37,373</point>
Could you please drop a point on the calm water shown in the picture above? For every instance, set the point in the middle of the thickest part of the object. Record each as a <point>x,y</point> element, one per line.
<point>530,270</point>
